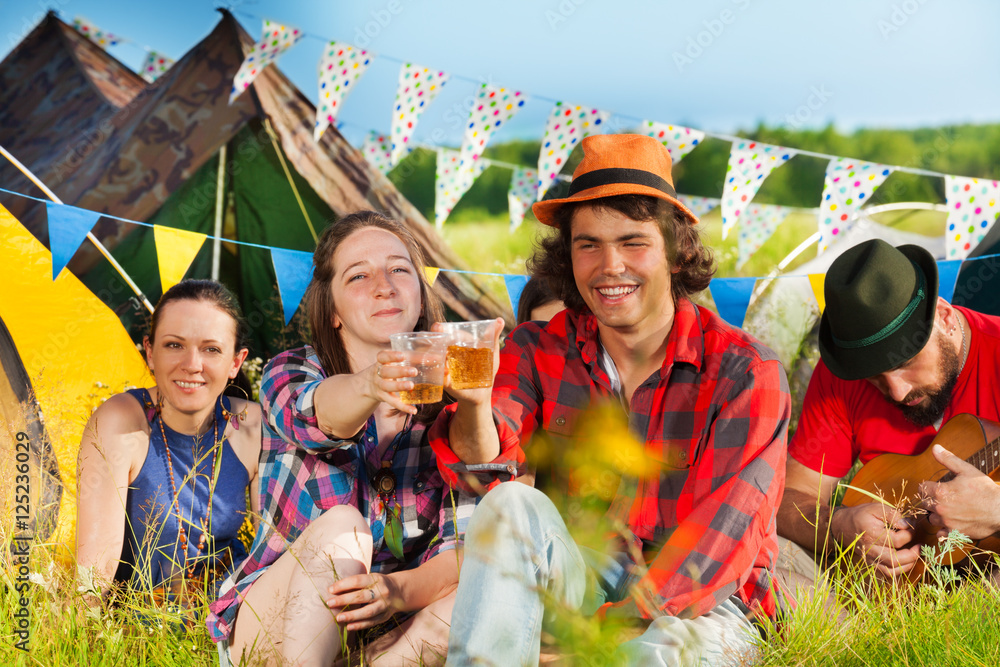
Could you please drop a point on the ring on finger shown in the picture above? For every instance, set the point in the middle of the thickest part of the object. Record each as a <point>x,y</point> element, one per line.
<point>378,369</point>
<point>371,592</point>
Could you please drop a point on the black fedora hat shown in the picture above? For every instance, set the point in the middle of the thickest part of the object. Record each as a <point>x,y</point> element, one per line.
<point>880,306</point>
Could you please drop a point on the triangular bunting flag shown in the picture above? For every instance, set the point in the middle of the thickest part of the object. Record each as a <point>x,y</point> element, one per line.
<point>431,273</point>
<point>750,162</point>
<point>418,86</point>
<point>175,250</point>
<point>973,204</point>
<point>68,226</point>
<point>275,39</point>
<point>732,298</point>
<point>817,281</point>
<point>492,108</point>
<point>293,269</point>
<point>757,224</point>
<point>699,205</point>
<point>947,277</point>
<point>155,64</point>
<point>567,125</point>
<point>95,34</point>
<point>451,182</point>
<point>849,185</point>
<point>679,140</point>
<point>339,70</point>
<point>515,285</point>
<point>376,151</point>
<point>521,195</point>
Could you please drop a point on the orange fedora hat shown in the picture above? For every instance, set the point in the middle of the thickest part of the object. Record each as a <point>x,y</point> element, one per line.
<point>618,164</point>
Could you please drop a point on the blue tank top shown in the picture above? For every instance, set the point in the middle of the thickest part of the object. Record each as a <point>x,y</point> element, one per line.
<point>151,553</point>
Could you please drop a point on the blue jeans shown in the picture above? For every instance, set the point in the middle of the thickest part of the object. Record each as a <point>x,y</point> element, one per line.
<point>521,563</point>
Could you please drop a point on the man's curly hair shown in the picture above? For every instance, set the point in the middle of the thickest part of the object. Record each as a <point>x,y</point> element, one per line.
<point>691,260</point>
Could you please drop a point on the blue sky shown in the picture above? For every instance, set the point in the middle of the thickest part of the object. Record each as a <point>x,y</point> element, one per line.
<point>716,65</point>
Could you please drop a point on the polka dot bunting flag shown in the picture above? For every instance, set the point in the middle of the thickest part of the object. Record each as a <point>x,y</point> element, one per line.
<point>973,204</point>
<point>523,193</point>
<point>376,151</point>
<point>699,205</point>
<point>155,64</point>
<point>750,162</point>
<point>756,226</point>
<point>679,140</point>
<point>567,125</point>
<point>340,67</point>
<point>95,34</point>
<point>275,39</point>
<point>492,108</point>
<point>418,86</point>
<point>452,181</point>
<point>848,186</point>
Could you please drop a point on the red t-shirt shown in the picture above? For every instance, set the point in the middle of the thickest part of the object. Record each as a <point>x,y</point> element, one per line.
<point>843,420</point>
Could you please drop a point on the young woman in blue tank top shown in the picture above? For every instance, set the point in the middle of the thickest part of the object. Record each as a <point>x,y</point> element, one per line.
<point>163,472</point>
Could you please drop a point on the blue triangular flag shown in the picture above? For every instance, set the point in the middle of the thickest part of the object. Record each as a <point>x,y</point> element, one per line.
<point>68,227</point>
<point>515,285</point>
<point>732,297</point>
<point>293,269</point>
<point>947,277</point>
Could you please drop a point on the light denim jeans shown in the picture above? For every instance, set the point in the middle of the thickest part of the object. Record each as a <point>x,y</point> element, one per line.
<point>519,556</point>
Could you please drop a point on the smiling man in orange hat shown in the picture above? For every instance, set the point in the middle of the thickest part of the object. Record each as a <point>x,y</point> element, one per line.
<point>695,547</point>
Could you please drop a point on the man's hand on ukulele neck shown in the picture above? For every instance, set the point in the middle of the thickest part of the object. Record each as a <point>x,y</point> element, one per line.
<point>968,503</point>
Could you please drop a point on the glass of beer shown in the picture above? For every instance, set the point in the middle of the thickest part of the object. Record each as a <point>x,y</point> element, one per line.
<point>424,351</point>
<point>470,353</point>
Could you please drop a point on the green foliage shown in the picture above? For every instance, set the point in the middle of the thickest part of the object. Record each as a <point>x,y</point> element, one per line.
<point>963,150</point>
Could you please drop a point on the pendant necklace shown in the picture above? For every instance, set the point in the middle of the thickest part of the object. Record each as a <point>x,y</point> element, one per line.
<point>383,482</point>
<point>203,521</point>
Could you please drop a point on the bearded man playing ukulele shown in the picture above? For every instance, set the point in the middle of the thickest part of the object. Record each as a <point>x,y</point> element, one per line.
<point>897,363</point>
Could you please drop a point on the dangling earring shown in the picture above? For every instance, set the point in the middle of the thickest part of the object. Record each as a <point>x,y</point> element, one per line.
<point>235,418</point>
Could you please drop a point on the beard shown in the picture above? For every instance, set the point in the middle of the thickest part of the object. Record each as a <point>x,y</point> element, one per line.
<point>938,399</point>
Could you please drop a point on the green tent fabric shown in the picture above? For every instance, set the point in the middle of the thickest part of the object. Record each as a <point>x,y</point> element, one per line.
<point>262,204</point>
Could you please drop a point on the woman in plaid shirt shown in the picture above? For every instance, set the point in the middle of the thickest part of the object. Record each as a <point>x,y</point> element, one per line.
<point>345,467</point>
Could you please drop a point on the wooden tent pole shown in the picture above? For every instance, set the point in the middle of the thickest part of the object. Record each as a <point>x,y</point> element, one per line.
<point>93,239</point>
<point>220,196</point>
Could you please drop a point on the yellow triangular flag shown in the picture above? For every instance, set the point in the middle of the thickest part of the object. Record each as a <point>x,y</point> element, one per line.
<point>432,273</point>
<point>816,281</point>
<point>175,250</point>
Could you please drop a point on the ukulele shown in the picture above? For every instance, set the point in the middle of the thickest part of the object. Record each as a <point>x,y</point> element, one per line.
<point>896,479</point>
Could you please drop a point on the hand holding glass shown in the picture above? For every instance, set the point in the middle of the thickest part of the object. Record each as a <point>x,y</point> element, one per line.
<point>470,353</point>
<point>424,351</point>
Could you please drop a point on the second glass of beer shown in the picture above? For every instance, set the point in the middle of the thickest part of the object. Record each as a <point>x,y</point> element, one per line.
<point>470,353</point>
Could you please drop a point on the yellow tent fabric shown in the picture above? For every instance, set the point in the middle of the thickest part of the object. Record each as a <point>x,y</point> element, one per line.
<point>69,341</point>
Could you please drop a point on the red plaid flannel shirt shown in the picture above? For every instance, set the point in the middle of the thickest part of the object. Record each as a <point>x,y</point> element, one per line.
<point>715,419</point>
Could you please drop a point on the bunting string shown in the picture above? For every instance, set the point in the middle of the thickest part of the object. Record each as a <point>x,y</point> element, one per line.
<point>293,268</point>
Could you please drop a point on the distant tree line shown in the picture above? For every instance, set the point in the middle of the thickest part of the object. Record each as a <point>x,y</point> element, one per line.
<point>961,150</point>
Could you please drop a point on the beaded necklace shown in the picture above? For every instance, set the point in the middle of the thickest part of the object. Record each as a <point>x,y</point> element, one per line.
<point>384,483</point>
<point>181,531</point>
